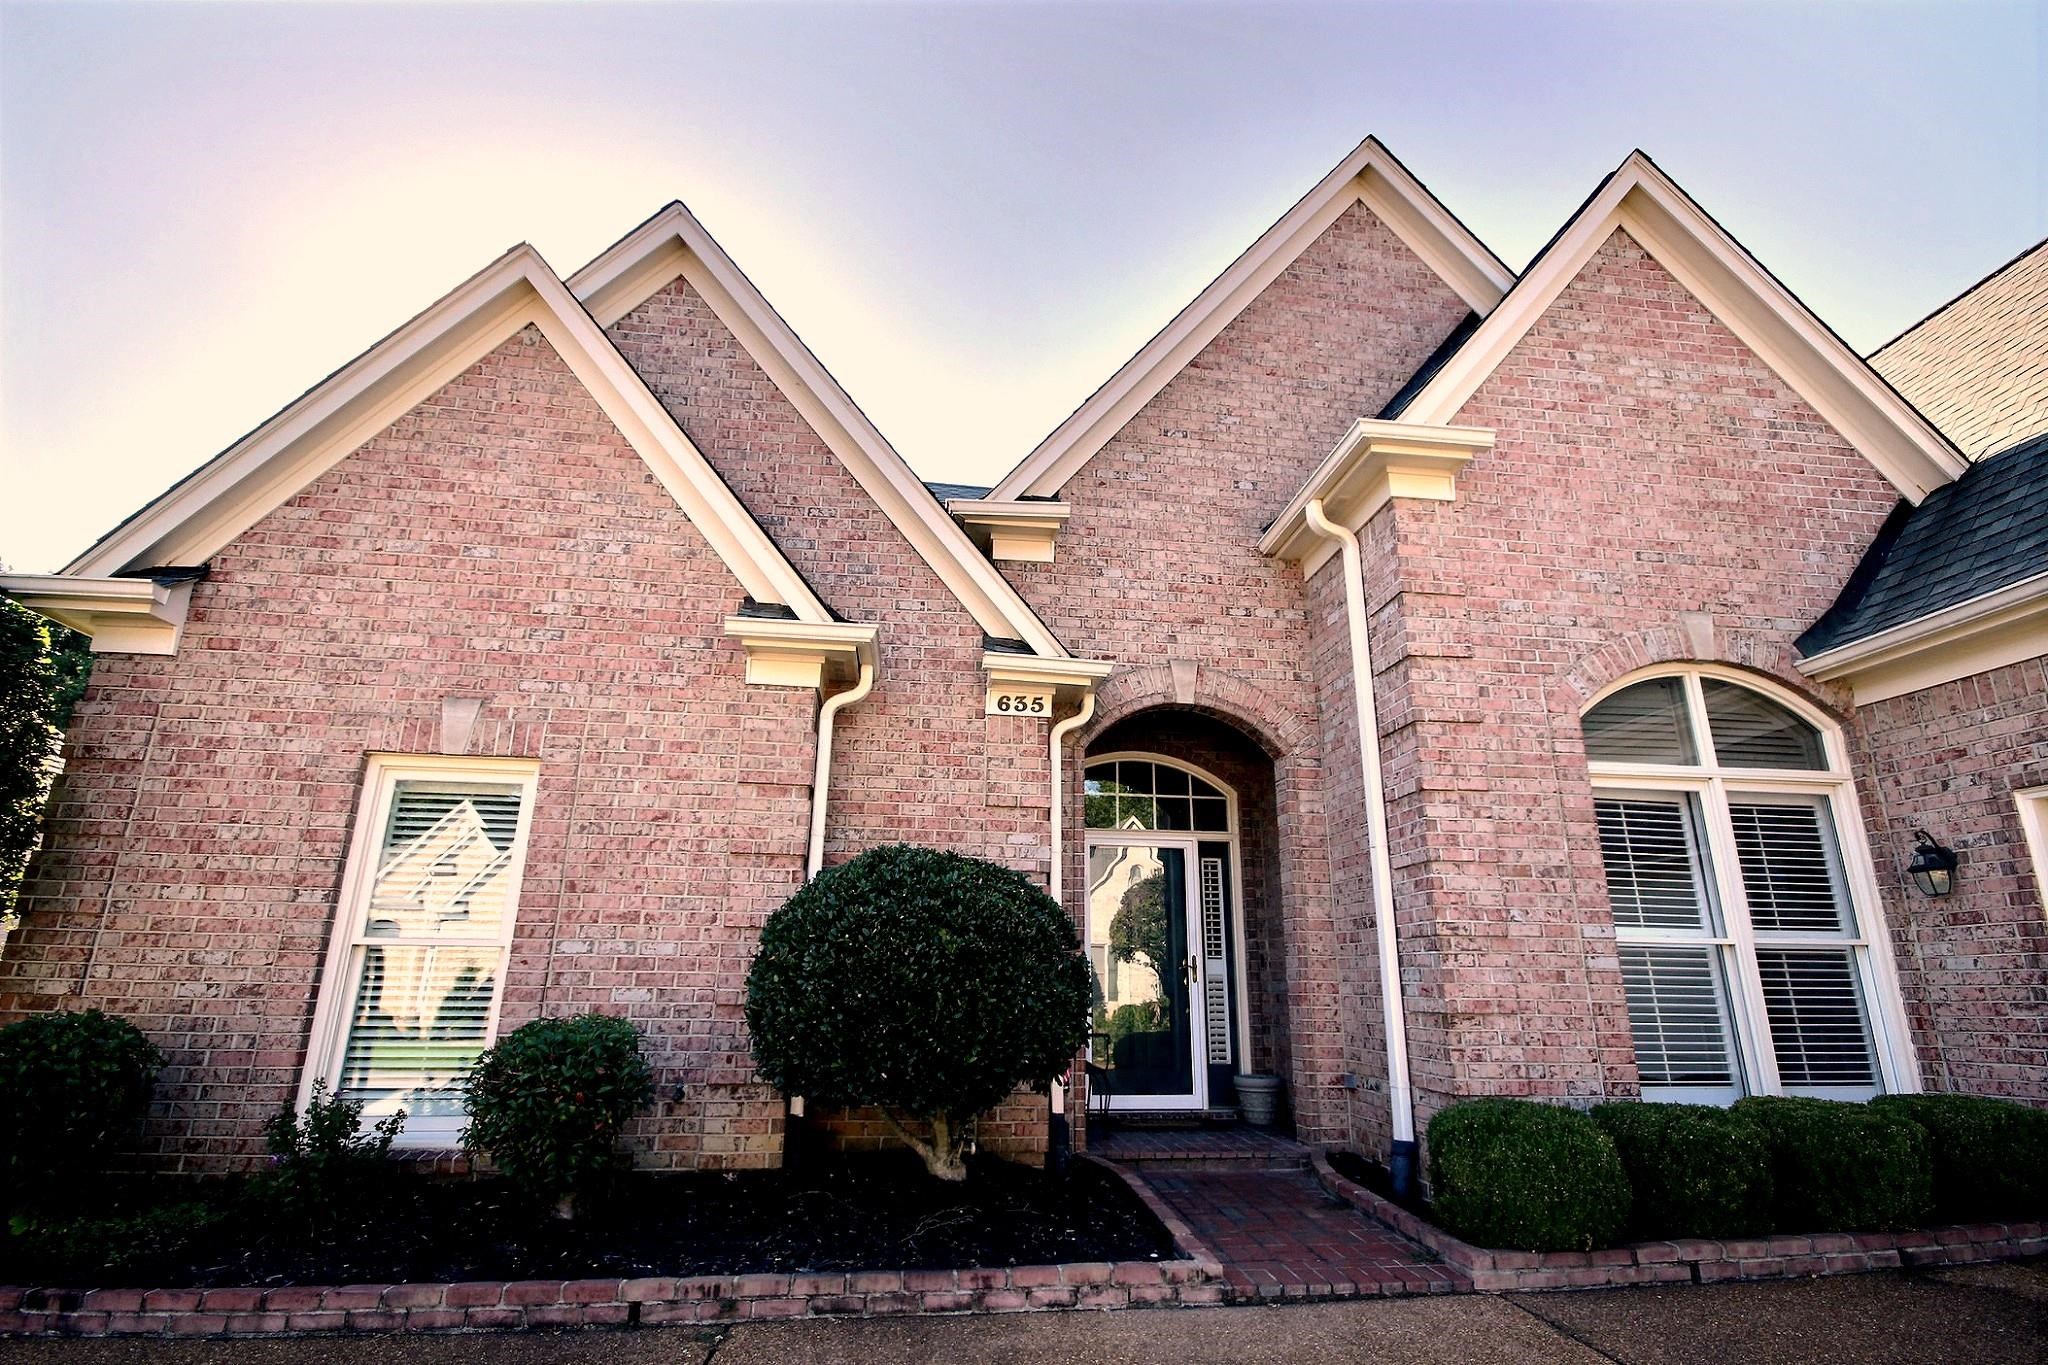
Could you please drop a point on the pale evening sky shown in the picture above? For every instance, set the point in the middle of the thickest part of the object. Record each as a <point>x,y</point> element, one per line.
<point>972,213</point>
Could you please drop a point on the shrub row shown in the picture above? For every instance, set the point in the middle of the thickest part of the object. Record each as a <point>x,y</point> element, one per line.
<point>1520,1175</point>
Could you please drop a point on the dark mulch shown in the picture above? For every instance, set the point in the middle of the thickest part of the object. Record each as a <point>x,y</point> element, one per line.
<point>872,1212</point>
<point>1377,1178</point>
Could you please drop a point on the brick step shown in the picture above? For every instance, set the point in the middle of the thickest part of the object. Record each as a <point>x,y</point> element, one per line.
<point>1199,1149</point>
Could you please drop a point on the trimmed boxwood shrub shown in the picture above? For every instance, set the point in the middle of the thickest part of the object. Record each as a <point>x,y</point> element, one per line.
<point>1696,1170</point>
<point>1990,1156</point>
<point>1522,1176</point>
<point>928,984</point>
<point>74,1087</point>
<point>548,1101</point>
<point>1842,1167</point>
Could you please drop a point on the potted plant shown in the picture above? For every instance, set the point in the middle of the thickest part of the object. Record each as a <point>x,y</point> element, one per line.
<point>1258,1099</point>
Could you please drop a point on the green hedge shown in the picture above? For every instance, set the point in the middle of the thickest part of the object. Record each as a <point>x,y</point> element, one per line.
<point>1841,1167</point>
<point>1990,1156</point>
<point>549,1100</point>
<point>1524,1176</point>
<point>1697,1170</point>
<point>74,1086</point>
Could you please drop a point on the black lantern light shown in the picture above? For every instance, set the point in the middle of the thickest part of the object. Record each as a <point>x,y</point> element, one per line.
<point>1933,866</point>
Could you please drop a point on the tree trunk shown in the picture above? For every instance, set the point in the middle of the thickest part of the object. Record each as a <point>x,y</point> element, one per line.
<point>941,1155</point>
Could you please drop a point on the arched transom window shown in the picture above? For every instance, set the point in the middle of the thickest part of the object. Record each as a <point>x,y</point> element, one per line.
<point>1138,793</point>
<point>1744,912</point>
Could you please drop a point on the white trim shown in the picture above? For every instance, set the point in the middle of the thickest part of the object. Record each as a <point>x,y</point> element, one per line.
<point>2004,626</point>
<point>1022,531</point>
<point>1241,1011</point>
<point>122,615</point>
<point>784,653</point>
<point>1369,175</point>
<point>1884,1006</point>
<point>674,244</point>
<point>200,516</point>
<point>1641,200</point>
<point>2033,810</point>
<point>1374,463</point>
<point>382,773</point>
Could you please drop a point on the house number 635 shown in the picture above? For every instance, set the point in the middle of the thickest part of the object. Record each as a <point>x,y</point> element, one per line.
<point>1019,704</point>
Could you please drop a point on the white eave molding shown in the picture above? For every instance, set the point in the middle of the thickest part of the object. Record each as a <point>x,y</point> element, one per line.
<point>1816,364</point>
<point>1034,676</point>
<point>1022,530</point>
<point>674,244</point>
<point>2007,626</point>
<point>1371,176</point>
<point>786,653</point>
<point>122,615</point>
<point>1376,462</point>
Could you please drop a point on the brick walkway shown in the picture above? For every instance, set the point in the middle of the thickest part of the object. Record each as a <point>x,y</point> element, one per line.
<point>1236,1148</point>
<point>1280,1235</point>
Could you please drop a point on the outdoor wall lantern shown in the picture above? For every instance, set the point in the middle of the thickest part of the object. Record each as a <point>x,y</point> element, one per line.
<point>1933,866</point>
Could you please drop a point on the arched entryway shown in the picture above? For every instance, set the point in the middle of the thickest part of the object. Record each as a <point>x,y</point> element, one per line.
<point>1181,888</point>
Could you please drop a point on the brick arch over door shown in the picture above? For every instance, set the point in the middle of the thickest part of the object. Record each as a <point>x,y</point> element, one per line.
<point>1308,930</point>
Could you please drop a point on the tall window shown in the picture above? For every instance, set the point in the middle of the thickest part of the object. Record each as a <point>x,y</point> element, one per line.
<point>416,968</point>
<point>1743,916</point>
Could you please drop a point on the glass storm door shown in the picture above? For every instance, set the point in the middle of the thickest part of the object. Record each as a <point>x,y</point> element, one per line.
<point>1143,941</point>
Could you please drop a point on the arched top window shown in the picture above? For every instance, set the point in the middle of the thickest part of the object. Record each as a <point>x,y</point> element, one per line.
<point>1745,914</point>
<point>1127,792</point>
<point>1698,720</point>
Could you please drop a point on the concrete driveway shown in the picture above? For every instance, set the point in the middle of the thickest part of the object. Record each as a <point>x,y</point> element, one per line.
<point>1983,1315</point>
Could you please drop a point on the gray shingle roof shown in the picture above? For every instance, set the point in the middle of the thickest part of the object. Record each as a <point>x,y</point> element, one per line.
<point>947,492</point>
<point>1985,531</point>
<point>1978,366</point>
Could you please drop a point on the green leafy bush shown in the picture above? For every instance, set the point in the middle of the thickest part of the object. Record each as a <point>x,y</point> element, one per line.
<point>1696,1170</point>
<point>549,1100</point>
<point>1841,1167</point>
<point>74,1087</point>
<point>925,983</point>
<point>324,1169</point>
<point>115,1246</point>
<point>1523,1176</point>
<point>1990,1156</point>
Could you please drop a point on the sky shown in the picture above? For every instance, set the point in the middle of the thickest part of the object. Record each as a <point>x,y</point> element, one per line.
<point>972,212</point>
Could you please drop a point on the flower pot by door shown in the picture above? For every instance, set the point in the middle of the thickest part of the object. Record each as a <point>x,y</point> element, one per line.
<point>1258,1099</point>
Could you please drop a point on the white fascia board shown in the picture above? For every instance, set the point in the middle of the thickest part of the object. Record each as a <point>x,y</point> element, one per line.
<point>1079,674</point>
<point>674,244</point>
<point>1025,531</point>
<point>122,615</point>
<point>1370,175</point>
<point>201,515</point>
<point>1640,199</point>
<point>1375,462</point>
<point>2006,626</point>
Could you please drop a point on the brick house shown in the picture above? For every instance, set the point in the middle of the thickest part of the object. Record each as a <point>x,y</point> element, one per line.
<point>527,663</point>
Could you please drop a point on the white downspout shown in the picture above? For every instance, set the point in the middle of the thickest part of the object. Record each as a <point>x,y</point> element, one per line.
<point>820,780</point>
<point>1401,1095</point>
<point>1060,732</point>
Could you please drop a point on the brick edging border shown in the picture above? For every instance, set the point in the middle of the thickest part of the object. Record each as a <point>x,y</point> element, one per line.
<point>1193,1277</point>
<point>1695,1259</point>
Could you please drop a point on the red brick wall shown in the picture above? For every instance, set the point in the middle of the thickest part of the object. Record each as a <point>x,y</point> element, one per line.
<point>1160,561</point>
<point>1656,494</point>
<point>500,541</point>
<point>1973,966</point>
<point>917,760</point>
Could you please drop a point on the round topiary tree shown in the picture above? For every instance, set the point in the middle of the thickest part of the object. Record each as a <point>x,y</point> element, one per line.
<point>74,1086</point>
<point>927,984</point>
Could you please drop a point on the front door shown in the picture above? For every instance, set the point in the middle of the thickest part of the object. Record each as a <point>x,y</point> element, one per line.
<point>1144,942</point>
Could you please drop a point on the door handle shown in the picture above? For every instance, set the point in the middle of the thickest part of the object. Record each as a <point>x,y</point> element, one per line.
<point>1193,968</point>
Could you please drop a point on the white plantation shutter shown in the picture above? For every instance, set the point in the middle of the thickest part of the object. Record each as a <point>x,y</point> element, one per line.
<point>1818,1030</point>
<point>1215,964</point>
<point>1790,870</point>
<point>1646,723</point>
<point>1678,1012</point>
<point>428,930</point>
<point>1752,731</point>
<point>1651,851</point>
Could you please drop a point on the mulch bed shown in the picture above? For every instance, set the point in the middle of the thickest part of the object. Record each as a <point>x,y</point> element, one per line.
<point>868,1212</point>
<point>1380,1181</point>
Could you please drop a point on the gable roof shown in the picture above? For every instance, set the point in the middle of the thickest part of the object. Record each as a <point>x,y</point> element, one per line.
<point>1370,175</point>
<point>198,516</point>
<point>1986,531</point>
<point>673,243</point>
<point>1766,316</point>
<point>1978,365</point>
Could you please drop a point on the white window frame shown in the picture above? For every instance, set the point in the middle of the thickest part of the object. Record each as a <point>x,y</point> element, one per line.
<point>329,1036</point>
<point>2033,807</point>
<point>1712,784</point>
